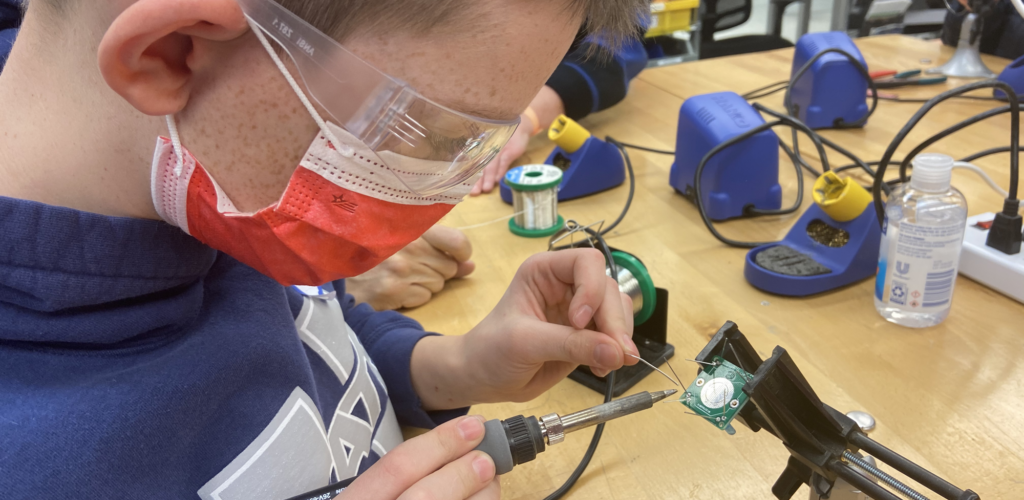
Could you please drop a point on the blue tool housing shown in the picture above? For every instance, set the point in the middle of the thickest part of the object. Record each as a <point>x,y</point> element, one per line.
<point>1013,75</point>
<point>595,167</point>
<point>832,92</point>
<point>746,174</point>
<point>850,263</point>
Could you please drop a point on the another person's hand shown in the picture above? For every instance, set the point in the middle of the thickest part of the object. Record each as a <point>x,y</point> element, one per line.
<point>546,106</point>
<point>496,169</point>
<point>560,311</point>
<point>439,465</point>
<point>417,272</point>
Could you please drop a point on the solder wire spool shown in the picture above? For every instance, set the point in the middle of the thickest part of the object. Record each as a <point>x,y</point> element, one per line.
<point>535,200</point>
<point>636,282</point>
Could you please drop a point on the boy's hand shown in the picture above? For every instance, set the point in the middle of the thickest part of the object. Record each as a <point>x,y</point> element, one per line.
<point>417,272</point>
<point>438,465</point>
<point>560,311</point>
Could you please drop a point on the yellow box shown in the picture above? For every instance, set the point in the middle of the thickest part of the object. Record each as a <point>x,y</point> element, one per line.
<point>671,16</point>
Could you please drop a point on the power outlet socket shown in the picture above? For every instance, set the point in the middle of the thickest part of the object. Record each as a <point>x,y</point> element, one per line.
<point>988,266</point>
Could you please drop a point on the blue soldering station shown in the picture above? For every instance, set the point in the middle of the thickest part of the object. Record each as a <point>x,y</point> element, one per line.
<point>746,175</point>
<point>1013,74</point>
<point>589,165</point>
<point>831,91</point>
<point>835,243</point>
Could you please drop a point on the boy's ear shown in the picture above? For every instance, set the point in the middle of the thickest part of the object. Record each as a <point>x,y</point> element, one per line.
<point>148,53</point>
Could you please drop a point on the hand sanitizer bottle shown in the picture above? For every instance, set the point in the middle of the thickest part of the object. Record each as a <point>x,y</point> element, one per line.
<point>921,240</point>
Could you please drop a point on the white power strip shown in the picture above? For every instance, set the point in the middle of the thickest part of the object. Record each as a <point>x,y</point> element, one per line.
<point>988,266</point>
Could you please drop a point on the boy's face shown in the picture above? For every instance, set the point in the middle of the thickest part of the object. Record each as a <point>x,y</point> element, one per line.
<point>249,130</point>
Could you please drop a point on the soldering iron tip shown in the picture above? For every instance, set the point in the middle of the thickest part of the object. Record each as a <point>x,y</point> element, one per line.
<point>660,395</point>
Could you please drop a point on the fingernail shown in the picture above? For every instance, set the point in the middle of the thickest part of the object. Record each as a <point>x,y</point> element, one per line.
<point>471,428</point>
<point>484,467</point>
<point>606,356</point>
<point>629,345</point>
<point>582,317</point>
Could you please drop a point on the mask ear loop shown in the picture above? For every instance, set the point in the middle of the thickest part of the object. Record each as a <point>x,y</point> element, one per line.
<point>172,129</point>
<point>342,148</point>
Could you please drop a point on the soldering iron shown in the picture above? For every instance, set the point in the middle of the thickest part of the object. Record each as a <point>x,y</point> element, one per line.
<point>517,440</point>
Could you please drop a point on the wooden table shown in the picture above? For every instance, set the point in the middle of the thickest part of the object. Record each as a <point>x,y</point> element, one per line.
<point>948,397</point>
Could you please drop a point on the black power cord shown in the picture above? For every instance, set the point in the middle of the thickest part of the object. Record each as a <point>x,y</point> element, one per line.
<point>1005,233</point>
<point>784,120</point>
<point>632,184</point>
<point>767,90</point>
<point>838,123</point>
<point>598,242</point>
<point>986,152</point>
<point>946,133</point>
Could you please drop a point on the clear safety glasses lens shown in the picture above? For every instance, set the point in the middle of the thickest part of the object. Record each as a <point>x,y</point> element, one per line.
<point>392,119</point>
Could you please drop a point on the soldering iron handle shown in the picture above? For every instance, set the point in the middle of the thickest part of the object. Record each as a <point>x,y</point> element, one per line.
<point>496,445</point>
<point>512,441</point>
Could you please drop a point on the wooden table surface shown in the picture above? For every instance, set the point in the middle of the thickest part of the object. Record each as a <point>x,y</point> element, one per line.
<point>950,397</point>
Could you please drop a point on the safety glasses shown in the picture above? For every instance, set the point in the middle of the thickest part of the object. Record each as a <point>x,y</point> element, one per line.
<point>395,121</point>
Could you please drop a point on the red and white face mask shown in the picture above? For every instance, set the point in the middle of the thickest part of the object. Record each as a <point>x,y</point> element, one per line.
<point>342,213</point>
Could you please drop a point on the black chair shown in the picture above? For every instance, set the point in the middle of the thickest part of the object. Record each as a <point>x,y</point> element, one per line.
<point>721,15</point>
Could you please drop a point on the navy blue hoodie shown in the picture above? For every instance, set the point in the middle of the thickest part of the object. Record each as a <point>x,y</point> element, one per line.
<point>135,362</point>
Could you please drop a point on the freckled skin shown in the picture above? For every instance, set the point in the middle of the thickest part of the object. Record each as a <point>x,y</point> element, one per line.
<point>248,128</point>
<point>234,111</point>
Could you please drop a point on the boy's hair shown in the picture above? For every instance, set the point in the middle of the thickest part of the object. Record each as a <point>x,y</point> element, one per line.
<point>613,20</point>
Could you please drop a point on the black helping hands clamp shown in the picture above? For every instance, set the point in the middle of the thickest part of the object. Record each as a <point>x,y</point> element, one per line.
<point>822,441</point>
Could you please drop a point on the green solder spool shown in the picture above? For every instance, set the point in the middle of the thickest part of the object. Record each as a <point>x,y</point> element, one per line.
<point>636,282</point>
<point>535,200</point>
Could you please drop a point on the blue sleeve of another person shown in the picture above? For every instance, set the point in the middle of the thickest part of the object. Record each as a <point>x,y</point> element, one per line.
<point>10,20</point>
<point>589,82</point>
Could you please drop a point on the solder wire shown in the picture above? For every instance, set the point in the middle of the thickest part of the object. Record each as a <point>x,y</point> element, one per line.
<point>536,209</point>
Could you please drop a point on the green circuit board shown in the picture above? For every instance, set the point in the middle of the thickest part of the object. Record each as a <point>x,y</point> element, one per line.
<point>717,393</point>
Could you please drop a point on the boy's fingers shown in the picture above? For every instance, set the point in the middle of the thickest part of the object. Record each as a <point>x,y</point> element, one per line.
<point>465,269</point>
<point>550,342</point>
<point>491,492</point>
<point>584,271</point>
<point>416,295</point>
<point>450,241</point>
<point>458,480</point>
<point>417,458</point>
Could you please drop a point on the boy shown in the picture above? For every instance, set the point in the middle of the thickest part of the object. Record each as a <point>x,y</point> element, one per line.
<point>147,345</point>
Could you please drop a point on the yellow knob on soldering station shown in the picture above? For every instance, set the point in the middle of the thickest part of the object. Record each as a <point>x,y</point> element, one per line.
<point>568,134</point>
<point>841,199</point>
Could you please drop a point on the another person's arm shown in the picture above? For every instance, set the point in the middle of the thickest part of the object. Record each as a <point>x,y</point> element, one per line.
<point>583,83</point>
<point>10,21</point>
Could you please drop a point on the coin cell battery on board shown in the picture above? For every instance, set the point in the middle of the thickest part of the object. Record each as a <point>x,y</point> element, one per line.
<point>717,393</point>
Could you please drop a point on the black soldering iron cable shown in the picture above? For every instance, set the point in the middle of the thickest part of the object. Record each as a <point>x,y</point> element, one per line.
<point>609,379</point>
<point>791,111</point>
<point>985,152</point>
<point>787,101</point>
<point>876,190</point>
<point>946,133</point>
<point>645,148</point>
<point>589,454</point>
<point>767,90</point>
<point>789,122</point>
<point>632,185</point>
